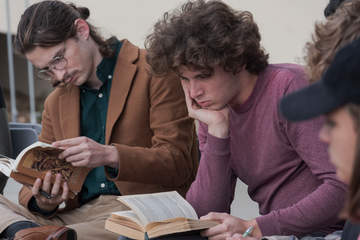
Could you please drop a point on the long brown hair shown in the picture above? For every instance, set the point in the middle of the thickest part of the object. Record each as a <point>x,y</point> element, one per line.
<point>335,32</point>
<point>49,23</point>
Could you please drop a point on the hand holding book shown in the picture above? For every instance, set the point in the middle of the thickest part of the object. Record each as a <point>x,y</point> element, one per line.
<point>85,152</point>
<point>49,196</point>
<point>38,159</point>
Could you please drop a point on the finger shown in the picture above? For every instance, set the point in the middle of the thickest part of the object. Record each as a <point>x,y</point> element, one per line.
<point>236,236</point>
<point>215,216</point>
<point>195,105</point>
<point>214,231</point>
<point>46,185</point>
<point>66,143</point>
<point>73,150</point>
<point>57,184</point>
<point>82,163</point>
<point>79,160</point>
<point>79,156</point>
<point>36,187</point>
<point>220,236</point>
<point>65,193</point>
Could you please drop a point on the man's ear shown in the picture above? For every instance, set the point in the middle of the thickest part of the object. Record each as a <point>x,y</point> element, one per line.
<point>82,29</point>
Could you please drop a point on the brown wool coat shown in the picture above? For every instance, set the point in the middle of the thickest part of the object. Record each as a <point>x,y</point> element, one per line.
<point>147,121</point>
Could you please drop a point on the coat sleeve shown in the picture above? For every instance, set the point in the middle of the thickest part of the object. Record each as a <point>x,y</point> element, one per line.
<point>169,161</point>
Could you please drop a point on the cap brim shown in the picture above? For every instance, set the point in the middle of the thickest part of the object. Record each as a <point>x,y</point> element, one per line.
<point>308,102</point>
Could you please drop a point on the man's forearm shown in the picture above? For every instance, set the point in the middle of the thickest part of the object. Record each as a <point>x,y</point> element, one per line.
<point>213,187</point>
<point>322,207</point>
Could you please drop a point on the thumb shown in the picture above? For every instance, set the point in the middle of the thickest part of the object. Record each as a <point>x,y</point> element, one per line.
<point>215,216</point>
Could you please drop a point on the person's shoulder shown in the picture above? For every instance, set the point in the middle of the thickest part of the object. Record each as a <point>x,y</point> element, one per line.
<point>287,70</point>
<point>133,54</point>
<point>287,76</point>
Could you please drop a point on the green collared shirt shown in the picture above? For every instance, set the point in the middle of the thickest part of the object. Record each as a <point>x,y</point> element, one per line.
<point>94,106</point>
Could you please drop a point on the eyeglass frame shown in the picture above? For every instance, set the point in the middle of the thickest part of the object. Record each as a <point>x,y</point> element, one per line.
<point>58,62</point>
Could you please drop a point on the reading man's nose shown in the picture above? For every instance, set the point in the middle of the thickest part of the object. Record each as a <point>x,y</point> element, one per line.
<point>59,74</point>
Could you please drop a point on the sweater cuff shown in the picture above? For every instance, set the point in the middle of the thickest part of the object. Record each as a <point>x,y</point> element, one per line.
<point>267,225</point>
<point>217,146</point>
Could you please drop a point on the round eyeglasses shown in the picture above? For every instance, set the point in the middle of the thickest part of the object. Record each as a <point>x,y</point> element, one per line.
<point>58,63</point>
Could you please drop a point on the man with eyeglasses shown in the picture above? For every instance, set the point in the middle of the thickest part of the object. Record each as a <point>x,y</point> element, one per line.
<point>57,63</point>
<point>109,114</point>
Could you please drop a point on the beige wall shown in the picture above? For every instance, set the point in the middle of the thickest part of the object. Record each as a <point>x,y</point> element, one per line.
<point>284,24</point>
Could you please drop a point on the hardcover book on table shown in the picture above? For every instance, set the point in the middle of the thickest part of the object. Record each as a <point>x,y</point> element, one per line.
<point>154,215</point>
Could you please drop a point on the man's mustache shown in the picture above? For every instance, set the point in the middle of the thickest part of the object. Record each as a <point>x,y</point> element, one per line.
<point>62,81</point>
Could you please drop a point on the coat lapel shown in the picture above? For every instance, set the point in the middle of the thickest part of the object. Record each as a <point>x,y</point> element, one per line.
<point>124,73</point>
<point>69,112</point>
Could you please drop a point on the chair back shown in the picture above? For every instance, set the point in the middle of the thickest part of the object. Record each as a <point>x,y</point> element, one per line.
<point>23,135</point>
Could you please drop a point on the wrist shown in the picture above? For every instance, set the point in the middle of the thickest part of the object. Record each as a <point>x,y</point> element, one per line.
<point>112,156</point>
<point>219,130</point>
<point>44,208</point>
<point>256,230</point>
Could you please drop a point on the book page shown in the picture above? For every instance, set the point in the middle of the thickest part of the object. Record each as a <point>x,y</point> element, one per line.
<point>127,215</point>
<point>39,158</point>
<point>35,144</point>
<point>42,157</point>
<point>6,165</point>
<point>159,206</point>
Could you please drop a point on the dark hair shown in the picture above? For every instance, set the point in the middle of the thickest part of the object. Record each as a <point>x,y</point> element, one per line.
<point>352,207</point>
<point>49,23</point>
<point>202,35</point>
<point>331,35</point>
<point>332,6</point>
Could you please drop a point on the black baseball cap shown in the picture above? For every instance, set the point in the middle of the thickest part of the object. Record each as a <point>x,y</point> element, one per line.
<point>338,86</point>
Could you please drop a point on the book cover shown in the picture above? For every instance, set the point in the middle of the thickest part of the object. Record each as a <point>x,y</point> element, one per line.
<point>39,158</point>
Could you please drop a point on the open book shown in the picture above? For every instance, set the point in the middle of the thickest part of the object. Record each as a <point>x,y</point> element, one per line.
<point>154,215</point>
<point>36,160</point>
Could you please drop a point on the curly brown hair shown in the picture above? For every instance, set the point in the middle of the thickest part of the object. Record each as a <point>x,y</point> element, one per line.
<point>204,34</point>
<point>335,32</point>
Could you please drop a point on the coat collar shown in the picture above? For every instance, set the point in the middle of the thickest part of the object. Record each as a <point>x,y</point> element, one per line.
<point>69,112</point>
<point>69,106</point>
<point>124,73</point>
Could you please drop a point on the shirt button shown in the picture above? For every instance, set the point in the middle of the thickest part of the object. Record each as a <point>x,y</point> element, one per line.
<point>100,95</point>
<point>102,185</point>
<point>109,76</point>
